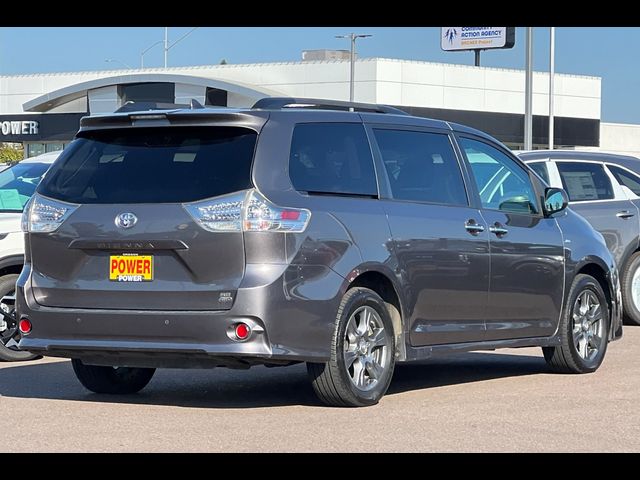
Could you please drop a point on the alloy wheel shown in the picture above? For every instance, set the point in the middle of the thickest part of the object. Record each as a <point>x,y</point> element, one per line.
<point>365,348</point>
<point>588,325</point>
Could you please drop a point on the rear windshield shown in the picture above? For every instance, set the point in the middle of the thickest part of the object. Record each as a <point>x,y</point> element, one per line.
<point>152,165</point>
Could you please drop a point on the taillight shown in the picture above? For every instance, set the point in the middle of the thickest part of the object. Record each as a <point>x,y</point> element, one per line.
<point>224,214</point>
<point>262,216</point>
<point>248,211</point>
<point>45,215</point>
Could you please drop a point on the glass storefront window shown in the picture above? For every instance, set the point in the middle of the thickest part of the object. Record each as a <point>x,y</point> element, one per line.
<point>34,149</point>
<point>53,147</point>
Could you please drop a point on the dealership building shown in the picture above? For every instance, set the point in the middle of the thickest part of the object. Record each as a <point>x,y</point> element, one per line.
<point>43,111</point>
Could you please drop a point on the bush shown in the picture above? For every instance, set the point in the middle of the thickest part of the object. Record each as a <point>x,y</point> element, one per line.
<point>10,154</point>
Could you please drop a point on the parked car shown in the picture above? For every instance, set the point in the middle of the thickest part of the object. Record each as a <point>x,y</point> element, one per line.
<point>299,231</point>
<point>17,185</point>
<point>605,189</point>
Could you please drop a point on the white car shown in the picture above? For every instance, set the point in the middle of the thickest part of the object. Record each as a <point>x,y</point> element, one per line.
<point>17,184</point>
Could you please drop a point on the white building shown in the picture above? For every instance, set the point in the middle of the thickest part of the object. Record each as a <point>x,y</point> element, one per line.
<point>43,110</point>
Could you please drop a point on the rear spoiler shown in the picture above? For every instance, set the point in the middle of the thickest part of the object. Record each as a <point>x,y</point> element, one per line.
<point>132,106</point>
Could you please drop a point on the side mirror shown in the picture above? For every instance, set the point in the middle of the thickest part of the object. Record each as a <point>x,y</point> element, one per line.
<point>555,200</point>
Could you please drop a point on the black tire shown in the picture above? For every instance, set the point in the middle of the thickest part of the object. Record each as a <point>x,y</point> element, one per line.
<point>8,285</point>
<point>112,380</point>
<point>566,358</point>
<point>631,311</point>
<point>332,380</point>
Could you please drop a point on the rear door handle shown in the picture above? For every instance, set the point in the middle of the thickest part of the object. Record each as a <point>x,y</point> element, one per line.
<point>473,227</point>
<point>625,214</point>
<point>498,229</point>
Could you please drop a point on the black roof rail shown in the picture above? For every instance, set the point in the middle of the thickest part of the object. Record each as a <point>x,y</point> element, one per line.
<point>132,106</point>
<point>276,103</point>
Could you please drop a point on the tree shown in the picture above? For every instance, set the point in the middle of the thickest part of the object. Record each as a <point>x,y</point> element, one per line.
<point>223,61</point>
<point>9,154</point>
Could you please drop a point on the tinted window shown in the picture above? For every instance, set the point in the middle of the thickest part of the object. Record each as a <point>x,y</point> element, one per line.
<point>421,167</point>
<point>18,183</point>
<point>585,181</point>
<point>541,169</point>
<point>147,92</point>
<point>332,158</point>
<point>502,183</point>
<point>626,178</point>
<point>152,165</point>
<point>216,97</point>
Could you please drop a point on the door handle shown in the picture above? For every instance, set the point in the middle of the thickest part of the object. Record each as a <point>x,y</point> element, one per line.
<point>498,229</point>
<point>473,228</point>
<point>625,214</point>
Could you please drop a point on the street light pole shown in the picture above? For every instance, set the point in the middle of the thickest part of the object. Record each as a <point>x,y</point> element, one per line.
<point>166,45</point>
<point>352,37</point>
<point>145,51</point>
<point>111,60</point>
<point>552,71</point>
<point>528,84</point>
<point>166,42</point>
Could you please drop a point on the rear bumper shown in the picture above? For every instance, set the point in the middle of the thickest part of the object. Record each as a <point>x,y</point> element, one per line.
<point>290,310</point>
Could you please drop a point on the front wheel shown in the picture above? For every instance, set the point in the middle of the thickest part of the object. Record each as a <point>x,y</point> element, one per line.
<point>584,329</point>
<point>113,380</point>
<point>9,333</point>
<point>362,353</point>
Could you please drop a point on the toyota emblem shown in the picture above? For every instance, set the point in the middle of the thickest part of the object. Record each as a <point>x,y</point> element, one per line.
<point>126,220</point>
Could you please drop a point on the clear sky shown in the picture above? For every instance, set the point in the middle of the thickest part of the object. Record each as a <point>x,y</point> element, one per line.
<point>605,52</point>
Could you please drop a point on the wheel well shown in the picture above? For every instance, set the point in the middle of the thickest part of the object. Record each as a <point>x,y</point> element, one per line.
<point>381,284</point>
<point>10,269</point>
<point>599,274</point>
<point>624,262</point>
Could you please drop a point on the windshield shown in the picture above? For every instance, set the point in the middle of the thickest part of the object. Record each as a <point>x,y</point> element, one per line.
<point>18,183</point>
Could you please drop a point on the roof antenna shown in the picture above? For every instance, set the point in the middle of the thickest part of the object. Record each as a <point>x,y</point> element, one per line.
<point>196,105</point>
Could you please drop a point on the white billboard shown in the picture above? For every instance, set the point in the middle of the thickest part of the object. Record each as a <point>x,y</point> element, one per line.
<point>476,38</point>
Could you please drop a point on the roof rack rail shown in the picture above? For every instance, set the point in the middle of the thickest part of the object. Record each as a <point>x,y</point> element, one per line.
<point>132,106</point>
<point>276,103</point>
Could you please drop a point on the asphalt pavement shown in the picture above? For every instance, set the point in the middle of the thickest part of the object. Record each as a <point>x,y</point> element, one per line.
<point>504,401</point>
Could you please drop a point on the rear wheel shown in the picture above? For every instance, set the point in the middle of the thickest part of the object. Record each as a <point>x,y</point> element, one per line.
<point>584,329</point>
<point>631,290</point>
<point>9,333</point>
<point>362,353</point>
<point>113,380</point>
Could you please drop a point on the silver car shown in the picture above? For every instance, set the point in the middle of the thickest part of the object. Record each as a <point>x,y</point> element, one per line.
<point>605,189</point>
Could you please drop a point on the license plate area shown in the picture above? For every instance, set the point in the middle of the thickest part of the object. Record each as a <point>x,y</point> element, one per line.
<point>131,268</point>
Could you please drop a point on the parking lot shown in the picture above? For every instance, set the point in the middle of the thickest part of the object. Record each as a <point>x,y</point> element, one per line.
<point>503,401</point>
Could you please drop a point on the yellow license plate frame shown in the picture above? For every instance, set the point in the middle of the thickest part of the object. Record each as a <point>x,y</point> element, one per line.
<point>131,268</point>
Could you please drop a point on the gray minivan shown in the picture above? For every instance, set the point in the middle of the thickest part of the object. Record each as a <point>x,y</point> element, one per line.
<point>347,236</point>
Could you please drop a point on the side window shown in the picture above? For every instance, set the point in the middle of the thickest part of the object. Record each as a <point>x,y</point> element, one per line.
<point>421,167</point>
<point>585,181</point>
<point>626,178</point>
<point>332,158</point>
<point>502,183</point>
<point>541,169</point>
